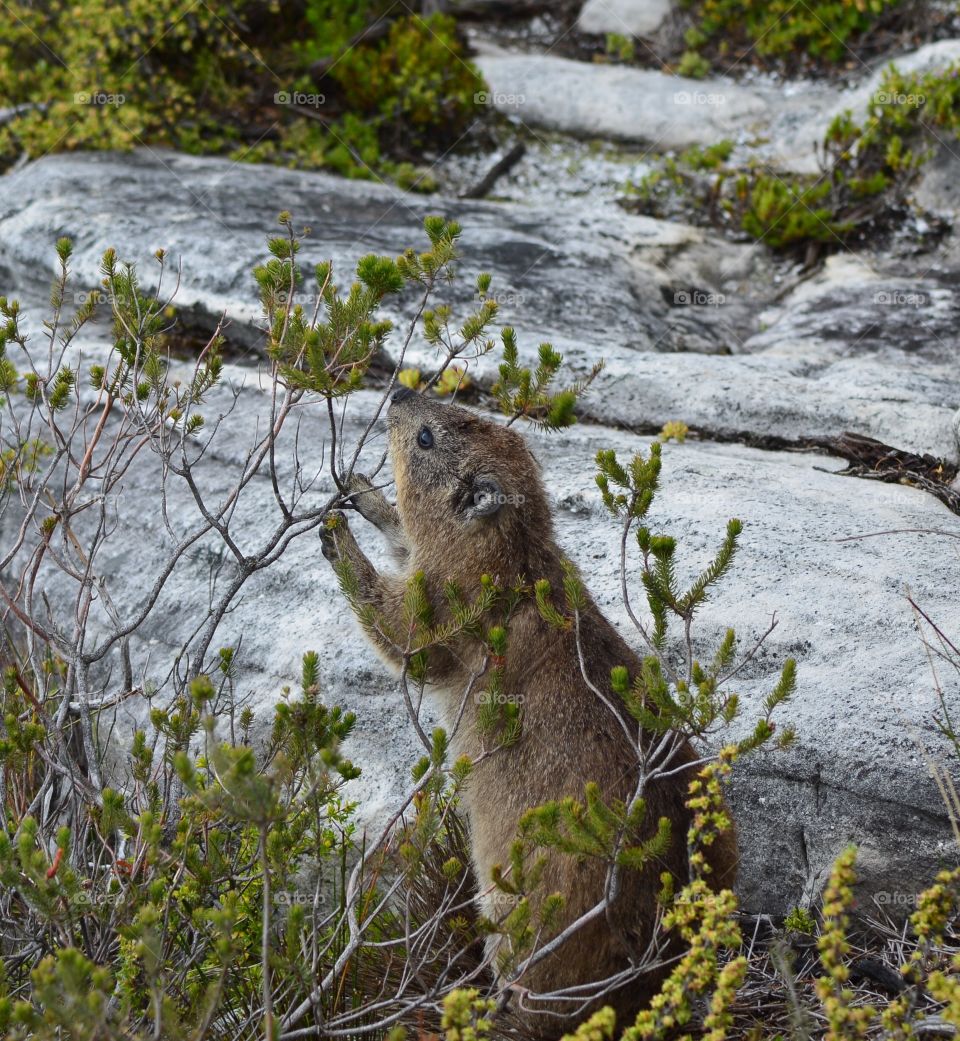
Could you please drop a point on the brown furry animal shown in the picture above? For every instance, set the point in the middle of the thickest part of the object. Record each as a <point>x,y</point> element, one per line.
<point>470,501</point>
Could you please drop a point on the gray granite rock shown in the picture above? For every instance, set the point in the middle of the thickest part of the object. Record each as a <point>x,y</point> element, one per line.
<point>938,187</point>
<point>782,124</point>
<point>688,323</point>
<point>620,102</point>
<point>864,701</point>
<point>625,17</point>
<point>638,292</point>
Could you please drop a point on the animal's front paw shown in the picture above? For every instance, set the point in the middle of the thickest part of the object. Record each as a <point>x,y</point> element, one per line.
<point>333,534</point>
<point>364,498</point>
<point>357,485</point>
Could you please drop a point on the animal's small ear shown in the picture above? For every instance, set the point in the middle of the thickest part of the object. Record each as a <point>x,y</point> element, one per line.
<point>484,498</point>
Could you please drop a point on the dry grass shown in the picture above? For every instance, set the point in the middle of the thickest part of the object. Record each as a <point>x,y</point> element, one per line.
<point>779,999</point>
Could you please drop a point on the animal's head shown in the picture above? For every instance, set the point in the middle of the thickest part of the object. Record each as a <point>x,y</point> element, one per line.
<point>469,490</point>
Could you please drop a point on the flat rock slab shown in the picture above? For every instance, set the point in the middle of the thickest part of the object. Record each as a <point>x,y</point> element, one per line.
<point>686,321</point>
<point>625,17</point>
<point>620,102</point>
<point>783,125</point>
<point>216,215</point>
<point>865,699</point>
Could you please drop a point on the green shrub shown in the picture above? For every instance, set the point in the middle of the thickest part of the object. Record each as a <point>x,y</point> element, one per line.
<point>868,167</point>
<point>906,118</point>
<point>164,923</point>
<point>780,28</point>
<point>709,158</point>
<point>784,213</point>
<point>205,882</point>
<point>225,77</point>
<point>416,82</point>
<point>799,920</point>
<point>693,65</point>
<point>620,47</point>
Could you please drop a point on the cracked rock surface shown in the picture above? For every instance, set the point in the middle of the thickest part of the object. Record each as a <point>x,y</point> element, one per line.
<point>693,329</point>
<point>691,326</point>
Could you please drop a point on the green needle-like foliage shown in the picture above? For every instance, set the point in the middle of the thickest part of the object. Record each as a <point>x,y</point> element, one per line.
<point>692,699</point>
<point>527,392</point>
<point>329,346</point>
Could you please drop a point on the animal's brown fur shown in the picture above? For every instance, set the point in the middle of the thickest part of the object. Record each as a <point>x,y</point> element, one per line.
<point>443,526</point>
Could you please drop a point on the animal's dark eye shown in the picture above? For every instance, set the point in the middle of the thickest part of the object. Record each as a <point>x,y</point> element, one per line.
<point>425,438</point>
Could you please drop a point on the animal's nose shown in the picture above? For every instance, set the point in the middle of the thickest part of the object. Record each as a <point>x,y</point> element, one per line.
<point>401,394</point>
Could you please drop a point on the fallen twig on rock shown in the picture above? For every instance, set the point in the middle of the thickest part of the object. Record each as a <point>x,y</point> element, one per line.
<point>503,166</point>
<point>876,461</point>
